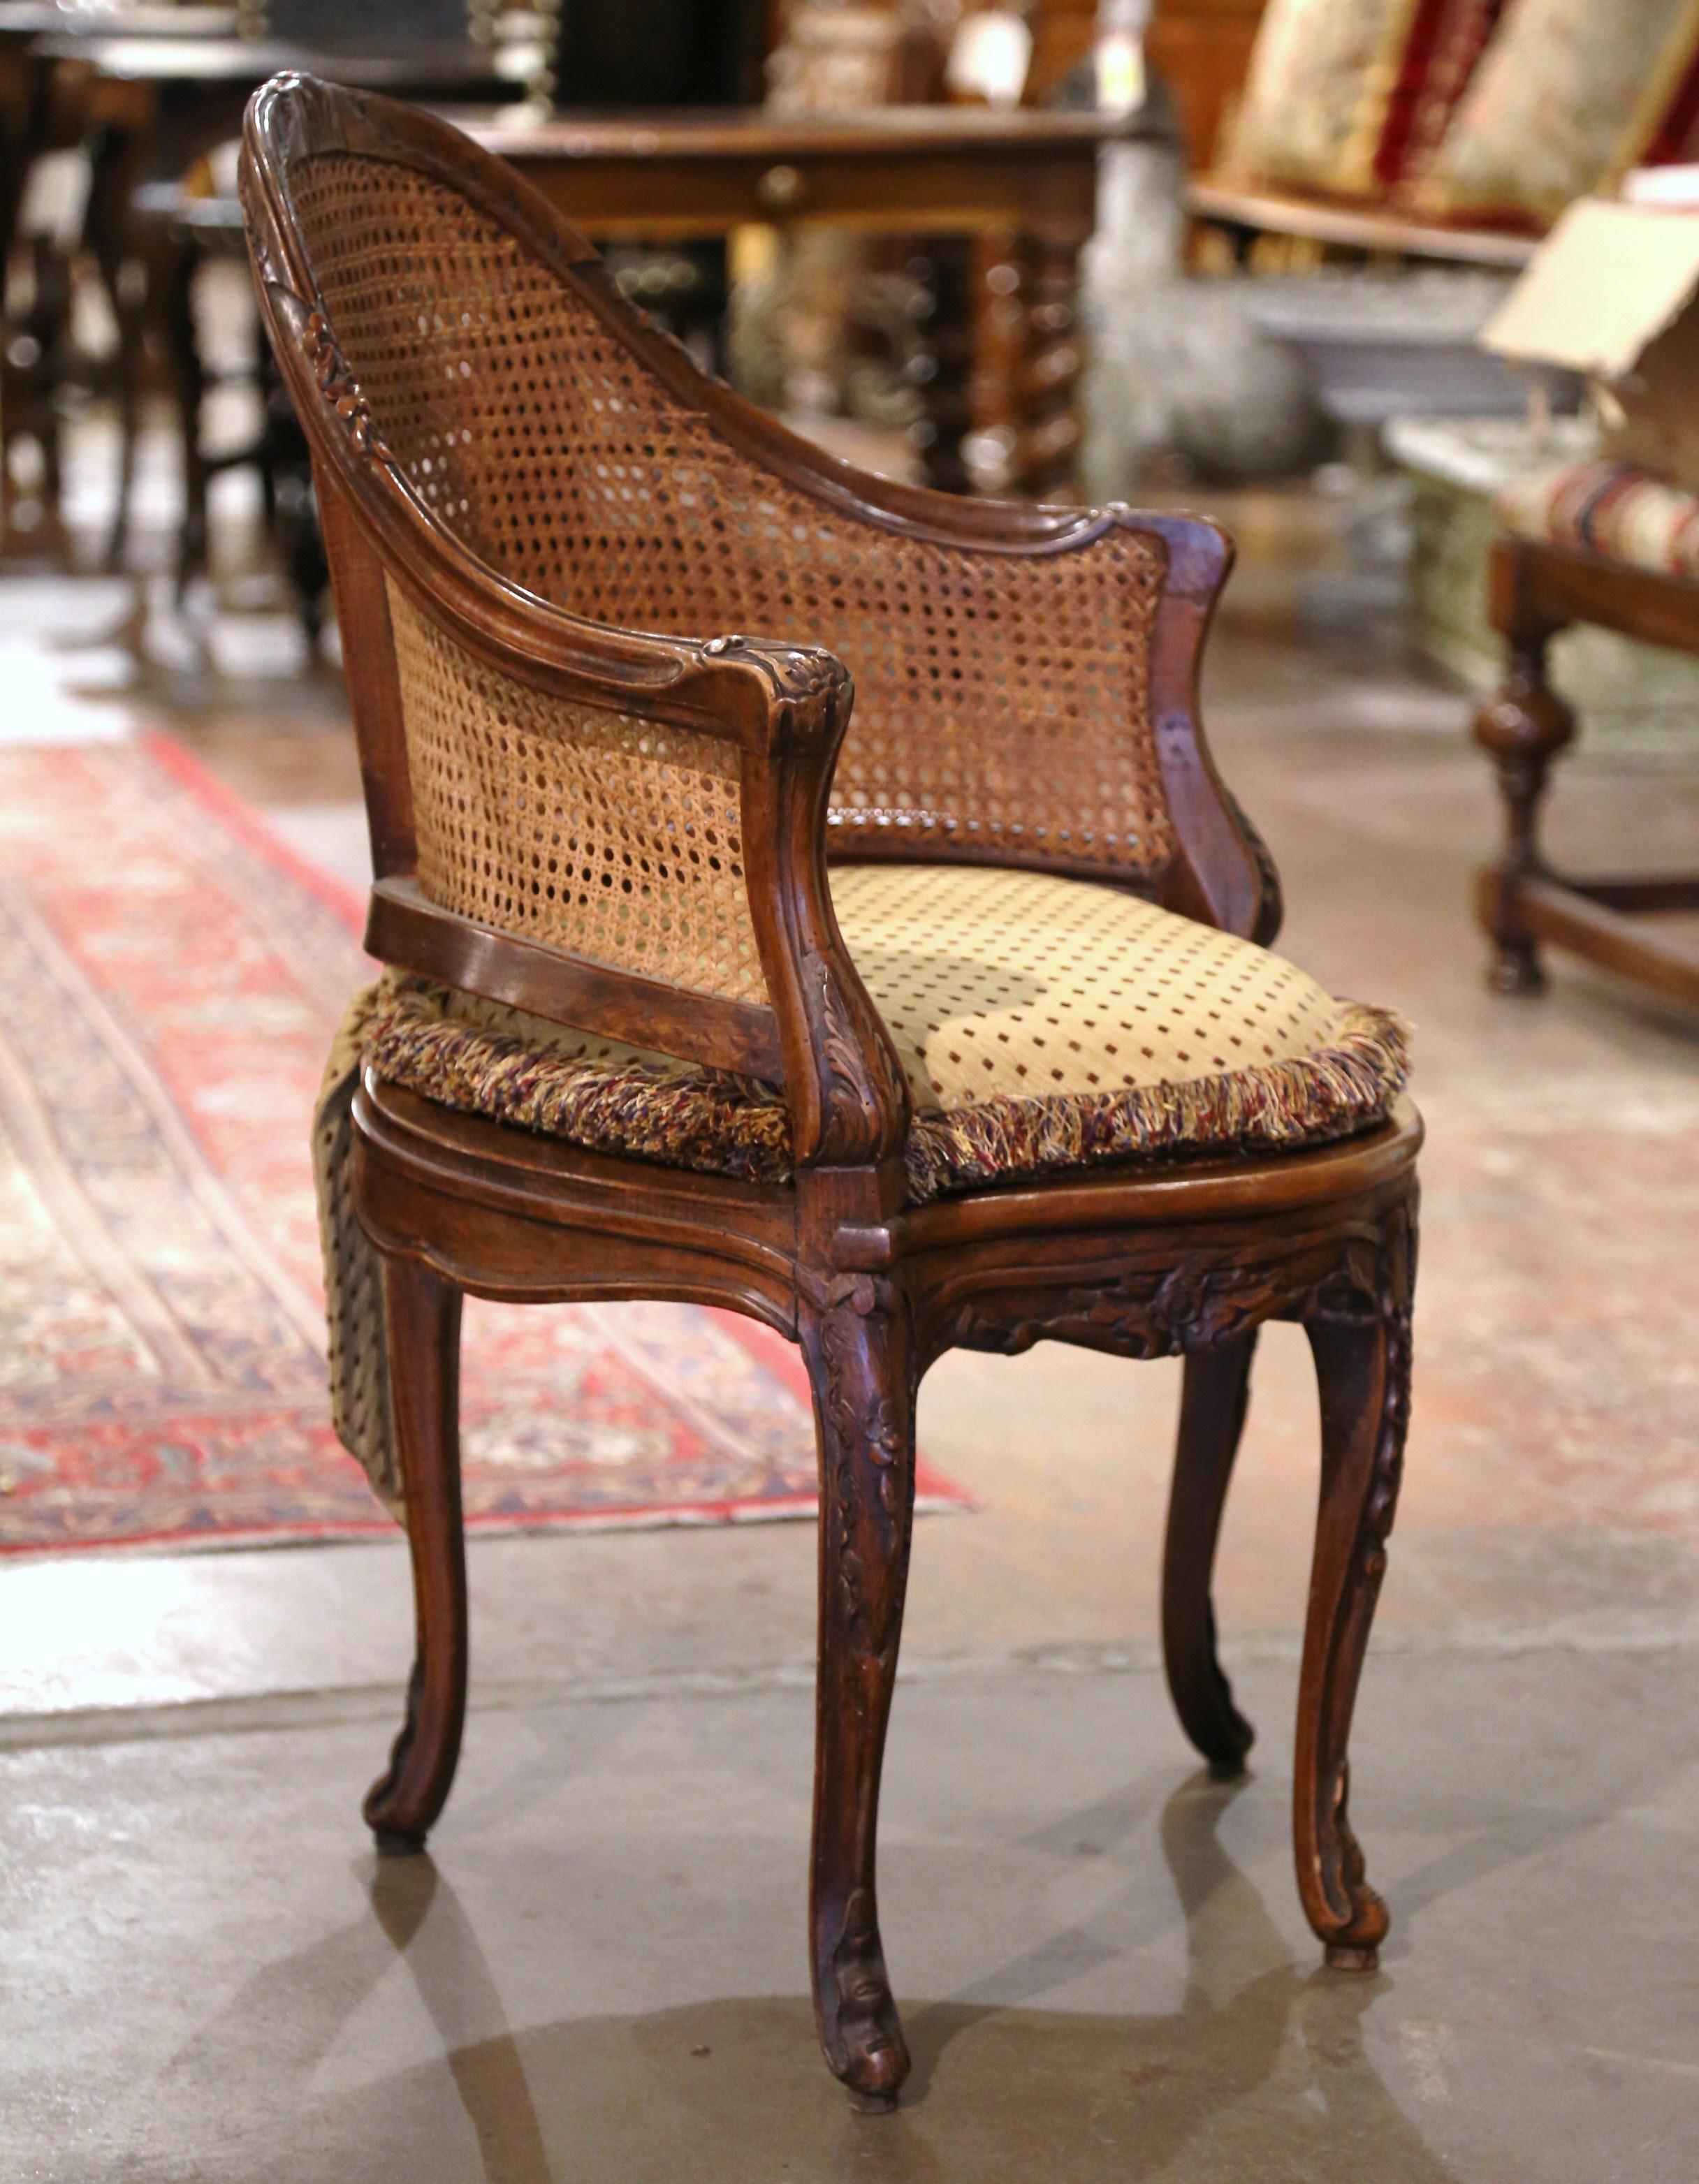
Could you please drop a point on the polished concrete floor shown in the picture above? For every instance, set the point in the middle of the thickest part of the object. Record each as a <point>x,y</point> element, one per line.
<point>599,1974</point>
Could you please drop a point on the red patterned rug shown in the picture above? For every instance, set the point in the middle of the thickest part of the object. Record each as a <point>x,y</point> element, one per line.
<point>173,975</point>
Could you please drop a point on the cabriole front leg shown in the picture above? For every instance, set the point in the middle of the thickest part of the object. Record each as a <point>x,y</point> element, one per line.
<point>860,1361</point>
<point>422,1317</point>
<point>1361,1350</point>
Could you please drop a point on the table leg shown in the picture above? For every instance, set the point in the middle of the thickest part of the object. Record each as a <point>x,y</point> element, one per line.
<point>943,366</point>
<point>1047,427</point>
<point>180,259</point>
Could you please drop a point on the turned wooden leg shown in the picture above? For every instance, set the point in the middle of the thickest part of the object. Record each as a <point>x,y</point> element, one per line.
<point>942,368</point>
<point>861,1361</point>
<point>1047,428</point>
<point>1523,727</point>
<point>1362,1365</point>
<point>421,1319</point>
<point>1212,1408</point>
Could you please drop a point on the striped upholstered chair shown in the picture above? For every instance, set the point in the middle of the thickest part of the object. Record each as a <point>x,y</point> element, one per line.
<point>935,1010</point>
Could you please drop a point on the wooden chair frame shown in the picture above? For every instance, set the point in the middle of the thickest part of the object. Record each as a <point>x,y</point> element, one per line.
<point>1139,1262</point>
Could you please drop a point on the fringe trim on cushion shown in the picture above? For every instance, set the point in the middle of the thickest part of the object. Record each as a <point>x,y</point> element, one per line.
<point>707,1120</point>
<point>718,1123</point>
<point>358,1354</point>
<point>1343,1088</point>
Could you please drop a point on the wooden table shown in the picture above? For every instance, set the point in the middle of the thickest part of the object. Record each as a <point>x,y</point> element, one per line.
<point>948,173</point>
<point>145,105</point>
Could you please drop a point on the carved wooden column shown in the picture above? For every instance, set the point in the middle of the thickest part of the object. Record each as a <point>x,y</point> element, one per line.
<point>1047,385</point>
<point>943,367</point>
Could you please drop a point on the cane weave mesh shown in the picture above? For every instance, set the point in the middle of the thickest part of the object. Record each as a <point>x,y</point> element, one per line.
<point>613,838</point>
<point>1001,700</point>
<point>1043,1024</point>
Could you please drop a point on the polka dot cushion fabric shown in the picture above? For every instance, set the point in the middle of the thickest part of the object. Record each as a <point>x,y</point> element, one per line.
<point>1010,984</point>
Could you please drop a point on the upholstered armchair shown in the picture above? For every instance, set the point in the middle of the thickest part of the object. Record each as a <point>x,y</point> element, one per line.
<point>928,1008</point>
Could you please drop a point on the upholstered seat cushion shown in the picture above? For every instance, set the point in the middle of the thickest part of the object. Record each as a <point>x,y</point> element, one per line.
<point>1043,1024</point>
<point>1610,509</point>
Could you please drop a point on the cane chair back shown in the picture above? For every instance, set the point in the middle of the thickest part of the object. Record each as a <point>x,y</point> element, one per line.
<point>1000,705</point>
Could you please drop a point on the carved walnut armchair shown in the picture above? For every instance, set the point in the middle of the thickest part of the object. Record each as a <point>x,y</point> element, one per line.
<point>943,1019</point>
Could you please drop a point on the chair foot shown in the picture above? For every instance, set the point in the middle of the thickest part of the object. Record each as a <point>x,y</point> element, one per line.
<point>860,2032</point>
<point>1346,1957</point>
<point>403,1804</point>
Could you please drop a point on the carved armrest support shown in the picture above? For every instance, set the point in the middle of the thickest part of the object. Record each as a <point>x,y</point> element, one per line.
<point>848,1099</point>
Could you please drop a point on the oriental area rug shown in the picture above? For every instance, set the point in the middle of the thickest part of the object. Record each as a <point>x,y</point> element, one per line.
<point>173,975</point>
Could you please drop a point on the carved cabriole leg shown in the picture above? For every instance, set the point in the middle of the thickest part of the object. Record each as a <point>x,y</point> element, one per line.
<point>861,1360</point>
<point>1523,727</point>
<point>1212,1409</point>
<point>1362,1349</point>
<point>421,1316</point>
